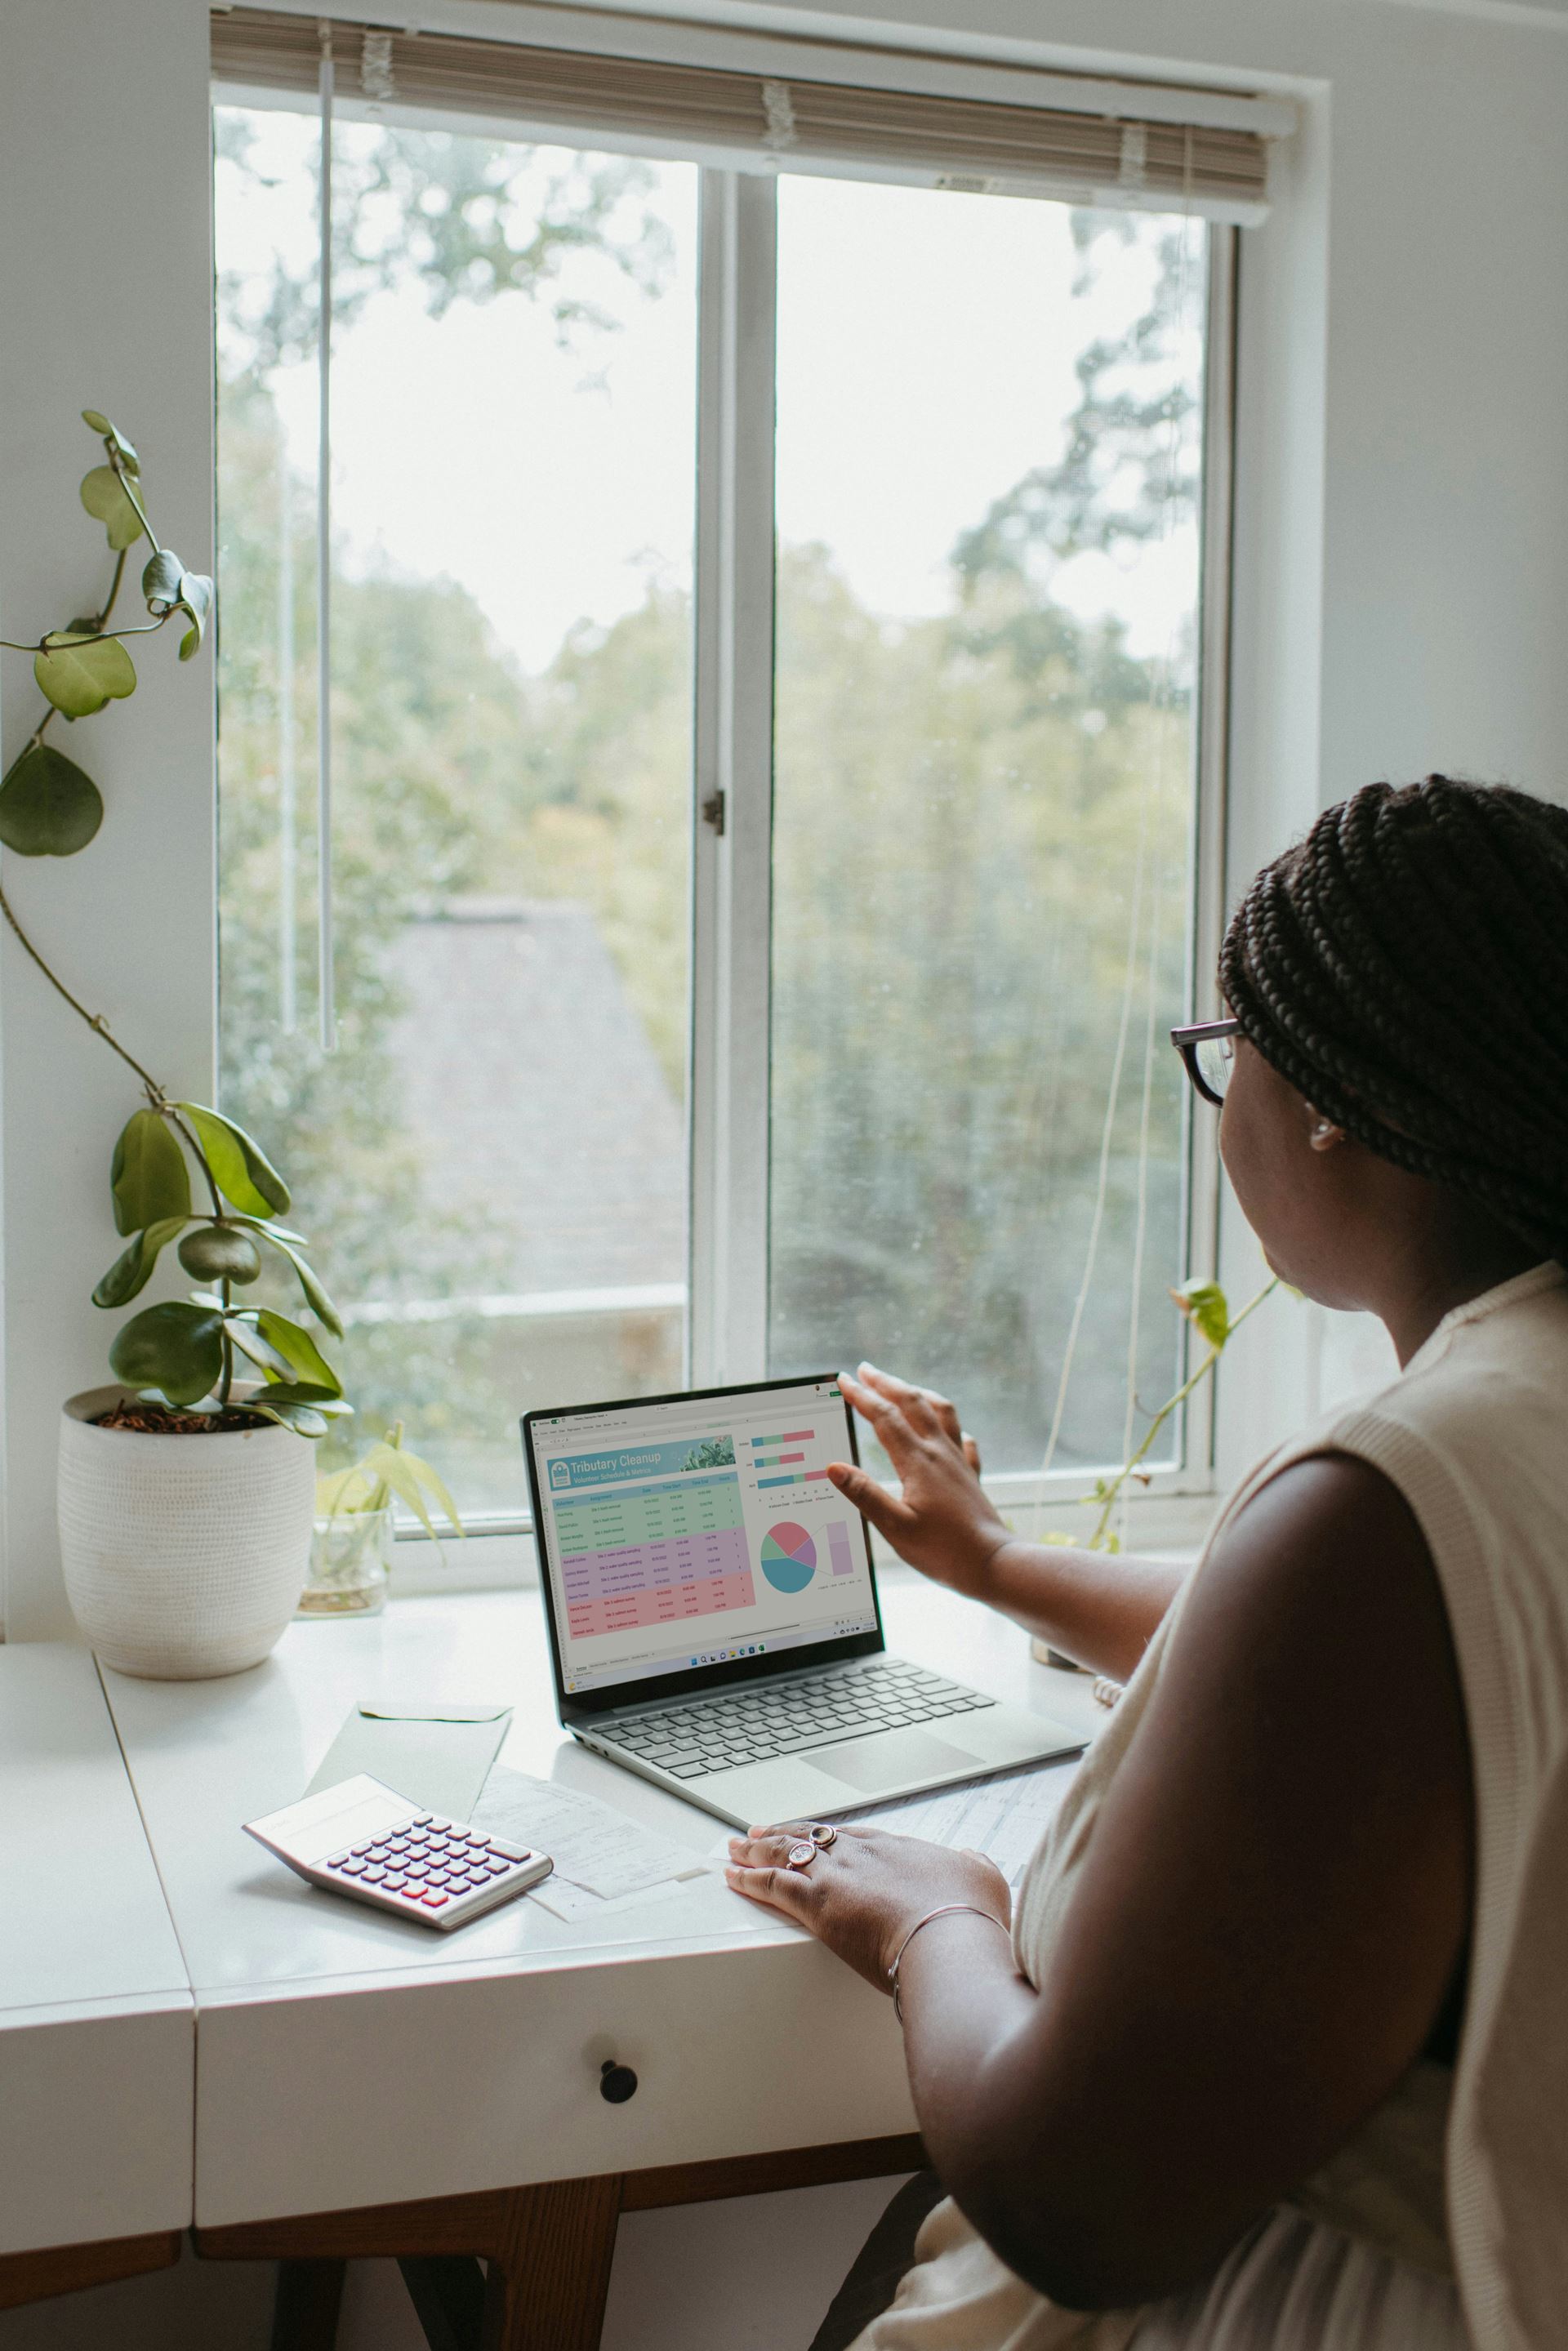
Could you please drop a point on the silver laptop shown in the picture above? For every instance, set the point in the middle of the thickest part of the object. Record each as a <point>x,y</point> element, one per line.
<point>712,1611</point>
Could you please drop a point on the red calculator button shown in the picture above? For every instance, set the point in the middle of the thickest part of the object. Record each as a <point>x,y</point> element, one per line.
<point>414,1887</point>
<point>434,1900</point>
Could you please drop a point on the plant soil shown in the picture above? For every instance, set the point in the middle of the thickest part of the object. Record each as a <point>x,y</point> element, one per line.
<point>158,1420</point>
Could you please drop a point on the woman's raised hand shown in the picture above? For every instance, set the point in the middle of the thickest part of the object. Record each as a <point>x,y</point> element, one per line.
<point>941,1523</point>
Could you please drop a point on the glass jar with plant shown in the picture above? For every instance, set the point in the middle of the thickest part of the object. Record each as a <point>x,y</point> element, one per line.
<point>351,1555</point>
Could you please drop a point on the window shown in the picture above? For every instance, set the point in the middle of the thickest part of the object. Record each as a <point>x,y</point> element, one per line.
<point>763,745</point>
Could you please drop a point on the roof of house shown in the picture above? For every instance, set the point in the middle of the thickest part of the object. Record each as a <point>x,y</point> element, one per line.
<point>536,1097</point>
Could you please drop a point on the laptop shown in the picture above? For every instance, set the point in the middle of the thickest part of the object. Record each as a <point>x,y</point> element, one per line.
<point>712,1611</point>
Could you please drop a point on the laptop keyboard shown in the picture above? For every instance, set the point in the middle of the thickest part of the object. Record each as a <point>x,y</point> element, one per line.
<point>781,1717</point>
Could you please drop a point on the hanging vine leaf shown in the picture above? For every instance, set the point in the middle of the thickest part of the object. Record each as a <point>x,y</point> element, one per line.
<point>79,675</point>
<point>49,805</point>
<point>104,496</point>
<point>173,1347</point>
<point>196,593</point>
<point>149,1177</point>
<point>123,449</point>
<point>241,1168</point>
<point>132,1268</point>
<point>160,581</point>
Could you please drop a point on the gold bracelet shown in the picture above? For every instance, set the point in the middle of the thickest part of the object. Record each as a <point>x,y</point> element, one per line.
<point>942,1910</point>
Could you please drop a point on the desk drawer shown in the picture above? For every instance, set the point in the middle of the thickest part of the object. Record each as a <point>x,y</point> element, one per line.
<point>96,2105</point>
<point>315,2101</point>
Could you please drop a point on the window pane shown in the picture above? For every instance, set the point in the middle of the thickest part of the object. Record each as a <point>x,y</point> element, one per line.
<point>989,420</point>
<point>492,1165</point>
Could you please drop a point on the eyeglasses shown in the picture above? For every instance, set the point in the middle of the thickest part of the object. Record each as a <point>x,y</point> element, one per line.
<point>1207,1048</point>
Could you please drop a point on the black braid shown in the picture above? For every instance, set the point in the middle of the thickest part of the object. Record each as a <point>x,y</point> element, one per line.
<point>1405,968</point>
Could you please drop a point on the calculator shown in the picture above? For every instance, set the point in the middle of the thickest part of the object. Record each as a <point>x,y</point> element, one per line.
<point>361,1838</point>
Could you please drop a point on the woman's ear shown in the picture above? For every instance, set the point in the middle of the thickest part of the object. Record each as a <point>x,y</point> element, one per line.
<point>1323,1135</point>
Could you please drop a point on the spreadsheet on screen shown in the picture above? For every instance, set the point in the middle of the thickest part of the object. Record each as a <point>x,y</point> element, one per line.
<point>700,1530</point>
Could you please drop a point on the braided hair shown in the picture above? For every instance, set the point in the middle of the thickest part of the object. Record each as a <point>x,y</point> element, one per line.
<point>1405,968</point>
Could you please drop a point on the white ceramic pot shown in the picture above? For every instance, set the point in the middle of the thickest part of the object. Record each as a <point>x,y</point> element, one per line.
<point>183,1556</point>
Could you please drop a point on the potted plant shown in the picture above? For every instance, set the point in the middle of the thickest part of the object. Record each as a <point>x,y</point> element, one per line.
<point>350,1556</point>
<point>186,1490</point>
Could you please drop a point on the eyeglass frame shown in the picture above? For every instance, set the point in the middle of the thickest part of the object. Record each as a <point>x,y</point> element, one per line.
<point>1188,1039</point>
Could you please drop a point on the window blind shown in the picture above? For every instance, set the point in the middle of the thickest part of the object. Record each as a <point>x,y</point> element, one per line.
<point>763,120</point>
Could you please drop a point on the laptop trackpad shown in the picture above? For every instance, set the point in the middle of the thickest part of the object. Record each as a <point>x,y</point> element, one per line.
<point>890,1756</point>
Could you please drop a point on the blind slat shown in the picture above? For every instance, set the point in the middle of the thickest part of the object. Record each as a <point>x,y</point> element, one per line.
<point>971,141</point>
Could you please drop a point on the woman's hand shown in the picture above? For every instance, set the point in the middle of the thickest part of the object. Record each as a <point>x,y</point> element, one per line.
<point>862,1893</point>
<point>941,1523</point>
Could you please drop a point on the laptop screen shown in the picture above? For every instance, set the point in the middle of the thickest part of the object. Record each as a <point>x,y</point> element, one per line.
<point>697,1531</point>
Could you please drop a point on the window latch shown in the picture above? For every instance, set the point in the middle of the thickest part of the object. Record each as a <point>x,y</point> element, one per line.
<point>712,812</point>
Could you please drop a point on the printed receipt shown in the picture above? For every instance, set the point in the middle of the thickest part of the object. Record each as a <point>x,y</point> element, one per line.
<point>602,1860</point>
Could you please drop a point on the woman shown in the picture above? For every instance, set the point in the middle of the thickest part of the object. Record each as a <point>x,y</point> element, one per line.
<point>1294,1961</point>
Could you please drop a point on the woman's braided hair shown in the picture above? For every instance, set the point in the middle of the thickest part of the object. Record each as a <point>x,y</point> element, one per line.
<point>1405,968</point>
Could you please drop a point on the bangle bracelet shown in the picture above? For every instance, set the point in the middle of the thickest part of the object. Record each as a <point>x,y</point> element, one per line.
<point>945,1910</point>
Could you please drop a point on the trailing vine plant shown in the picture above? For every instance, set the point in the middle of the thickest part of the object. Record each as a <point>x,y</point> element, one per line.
<point>1205,1306</point>
<point>182,1353</point>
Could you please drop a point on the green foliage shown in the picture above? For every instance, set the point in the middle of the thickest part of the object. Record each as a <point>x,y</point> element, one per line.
<point>241,1169</point>
<point>175,1349</point>
<point>1206,1307</point>
<point>80,672</point>
<point>148,1177</point>
<point>107,499</point>
<point>48,807</point>
<point>220,1252</point>
<point>132,1268</point>
<point>388,1469</point>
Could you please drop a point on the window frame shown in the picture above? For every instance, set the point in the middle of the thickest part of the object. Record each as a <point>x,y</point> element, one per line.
<point>729,1078</point>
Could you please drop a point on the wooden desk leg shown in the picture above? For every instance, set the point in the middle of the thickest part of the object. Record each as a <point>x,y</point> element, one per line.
<point>550,2278</point>
<point>309,2297</point>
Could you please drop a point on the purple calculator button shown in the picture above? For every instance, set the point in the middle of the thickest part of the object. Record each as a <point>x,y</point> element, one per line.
<point>371,1873</point>
<point>349,1868</point>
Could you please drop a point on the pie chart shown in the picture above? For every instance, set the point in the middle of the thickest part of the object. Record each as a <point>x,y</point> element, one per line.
<point>789,1557</point>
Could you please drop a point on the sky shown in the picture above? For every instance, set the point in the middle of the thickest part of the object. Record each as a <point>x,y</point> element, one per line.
<point>925,352</point>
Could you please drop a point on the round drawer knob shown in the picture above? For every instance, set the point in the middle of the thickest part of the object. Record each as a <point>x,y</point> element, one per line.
<point>616,2082</point>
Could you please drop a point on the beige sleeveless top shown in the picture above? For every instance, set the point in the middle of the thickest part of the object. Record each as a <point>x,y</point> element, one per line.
<point>1467,2169</point>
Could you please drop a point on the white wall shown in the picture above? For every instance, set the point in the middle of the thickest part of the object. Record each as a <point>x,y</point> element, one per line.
<point>105,302</point>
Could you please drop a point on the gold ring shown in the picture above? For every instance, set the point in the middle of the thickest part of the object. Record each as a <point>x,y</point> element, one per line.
<point>802,1853</point>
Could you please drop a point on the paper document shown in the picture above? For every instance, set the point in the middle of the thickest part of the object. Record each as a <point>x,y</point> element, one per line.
<point>1004,1818</point>
<point>598,1852</point>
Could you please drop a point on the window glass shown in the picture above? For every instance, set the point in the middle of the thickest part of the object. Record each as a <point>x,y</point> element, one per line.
<point>492,1165</point>
<point>988,451</point>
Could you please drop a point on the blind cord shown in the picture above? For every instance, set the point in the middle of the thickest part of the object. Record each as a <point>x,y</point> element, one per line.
<point>324,943</point>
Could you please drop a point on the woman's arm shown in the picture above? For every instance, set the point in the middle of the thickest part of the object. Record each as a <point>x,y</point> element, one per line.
<point>1274,1903</point>
<point>1100,1609</point>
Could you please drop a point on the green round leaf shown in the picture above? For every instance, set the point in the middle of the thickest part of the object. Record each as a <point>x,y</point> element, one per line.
<point>174,1347</point>
<point>81,674</point>
<point>48,807</point>
<point>148,1176</point>
<point>98,420</point>
<point>213,1252</point>
<point>103,495</point>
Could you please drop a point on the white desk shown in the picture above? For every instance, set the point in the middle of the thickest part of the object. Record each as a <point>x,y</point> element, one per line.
<point>347,2059</point>
<point>97,2028</point>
